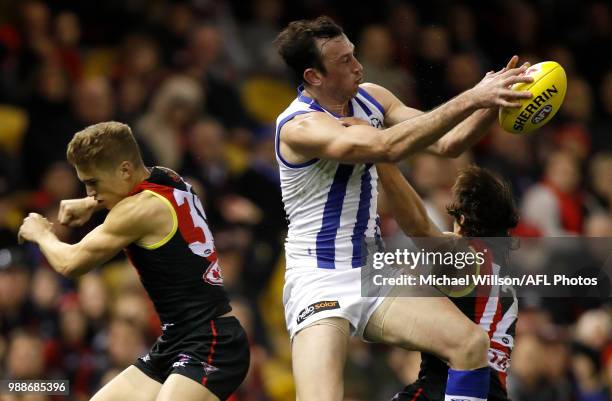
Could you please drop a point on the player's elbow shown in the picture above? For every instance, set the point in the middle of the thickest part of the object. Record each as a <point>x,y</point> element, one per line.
<point>68,271</point>
<point>73,269</point>
<point>452,152</point>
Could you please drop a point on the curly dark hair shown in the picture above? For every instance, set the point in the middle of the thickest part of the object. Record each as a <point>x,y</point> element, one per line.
<point>297,43</point>
<point>485,201</point>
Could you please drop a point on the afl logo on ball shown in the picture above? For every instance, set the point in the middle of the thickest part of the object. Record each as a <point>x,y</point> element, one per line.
<point>542,114</point>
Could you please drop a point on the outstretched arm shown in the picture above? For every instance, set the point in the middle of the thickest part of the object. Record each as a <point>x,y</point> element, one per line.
<point>317,135</point>
<point>462,136</point>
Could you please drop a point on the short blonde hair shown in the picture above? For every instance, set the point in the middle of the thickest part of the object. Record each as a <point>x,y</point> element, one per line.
<point>104,145</point>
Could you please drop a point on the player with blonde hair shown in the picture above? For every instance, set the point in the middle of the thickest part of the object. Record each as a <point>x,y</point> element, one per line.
<point>156,217</point>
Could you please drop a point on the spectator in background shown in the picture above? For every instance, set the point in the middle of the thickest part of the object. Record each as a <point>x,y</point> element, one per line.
<point>375,52</point>
<point>45,294</point>
<point>172,112</point>
<point>132,97</point>
<point>572,130</point>
<point>463,31</point>
<point>463,71</point>
<point>206,161</point>
<point>432,176</point>
<point>28,45</point>
<point>67,34</point>
<point>600,175</point>
<point>71,355</point>
<point>603,126</point>
<point>93,102</point>
<point>592,334</point>
<point>258,35</point>
<point>25,357</point>
<point>174,33</point>
<point>46,139</point>
<point>404,25</point>
<point>48,110</point>
<point>134,308</point>
<point>14,301</point>
<point>520,25</point>
<point>140,59</point>
<point>538,368</point>
<point>430,65</point>
<point>512,156</point>
<point>125,343</point>
<point>555,205</point>
<point>222,99</point>
<point>93,298</point>
<point>58,182</point>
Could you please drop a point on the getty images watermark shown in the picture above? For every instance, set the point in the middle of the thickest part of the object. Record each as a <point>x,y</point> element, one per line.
<point>547,267</point>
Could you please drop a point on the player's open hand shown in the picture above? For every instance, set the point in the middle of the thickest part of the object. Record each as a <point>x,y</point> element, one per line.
<point>494,89</point>
<point>33,227</point>
<point>76,212</point>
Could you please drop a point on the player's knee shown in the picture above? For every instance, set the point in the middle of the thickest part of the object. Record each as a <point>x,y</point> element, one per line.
<point>472,353</point>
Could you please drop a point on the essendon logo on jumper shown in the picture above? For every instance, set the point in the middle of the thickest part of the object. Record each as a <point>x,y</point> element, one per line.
<point>315,308</point>
<point>213,274</point>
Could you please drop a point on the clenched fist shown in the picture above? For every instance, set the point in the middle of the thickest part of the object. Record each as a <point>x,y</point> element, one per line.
<point>33,227</point>
<point>76,212</point>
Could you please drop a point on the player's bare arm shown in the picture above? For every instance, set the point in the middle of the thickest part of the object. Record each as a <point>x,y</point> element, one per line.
<point>461,137</point>
<point>141,218</point>
<point>318,135</point>
<point>410,213</point>
<point>406,205</point>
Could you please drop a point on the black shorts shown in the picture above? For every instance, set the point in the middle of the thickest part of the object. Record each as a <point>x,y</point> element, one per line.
<point>214,353</point>
<point>432,389</point>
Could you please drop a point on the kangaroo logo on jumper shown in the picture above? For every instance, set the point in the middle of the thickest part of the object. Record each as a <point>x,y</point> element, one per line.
<point>542,114</point>
<point>315,308</point>
<point>375,122</point>
<point>208,368</point>
<point>213,274</point>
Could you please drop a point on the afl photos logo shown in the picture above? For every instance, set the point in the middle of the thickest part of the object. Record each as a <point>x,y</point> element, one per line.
<point>213,274</point>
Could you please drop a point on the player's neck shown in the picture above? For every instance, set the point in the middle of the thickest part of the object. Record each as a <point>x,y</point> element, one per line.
<point>140,175</point>
<point>329,103</point>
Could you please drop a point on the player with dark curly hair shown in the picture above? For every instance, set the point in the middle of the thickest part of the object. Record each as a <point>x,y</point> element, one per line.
<point>482,206</point>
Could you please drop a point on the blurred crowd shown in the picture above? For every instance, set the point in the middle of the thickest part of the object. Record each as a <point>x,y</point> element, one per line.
<point>200,84</point>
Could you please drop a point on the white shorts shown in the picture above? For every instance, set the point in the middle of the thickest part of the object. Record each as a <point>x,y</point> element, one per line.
<point>311,294</point>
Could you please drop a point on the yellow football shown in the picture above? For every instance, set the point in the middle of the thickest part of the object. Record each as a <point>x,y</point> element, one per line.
<point>548,89</point>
